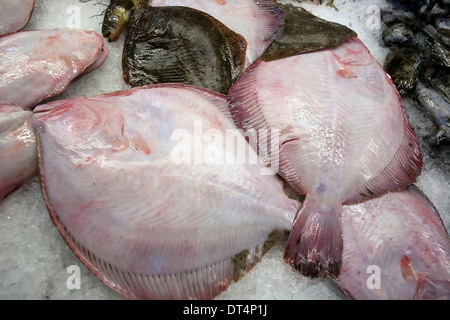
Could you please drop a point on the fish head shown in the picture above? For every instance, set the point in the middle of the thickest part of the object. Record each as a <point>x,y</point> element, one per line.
<point>81,124</point>
<point>114,22</point>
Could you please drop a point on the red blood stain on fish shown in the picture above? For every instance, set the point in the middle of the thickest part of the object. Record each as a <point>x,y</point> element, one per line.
<point>407,269</point>
<point>346,73</point>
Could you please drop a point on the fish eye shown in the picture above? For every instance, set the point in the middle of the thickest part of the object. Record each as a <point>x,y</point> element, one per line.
<point>113,18</point>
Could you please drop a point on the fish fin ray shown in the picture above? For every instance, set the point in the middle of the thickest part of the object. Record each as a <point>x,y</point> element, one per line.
<point>246,112</point>
<point>403,169</point>
<point>276,17</point>
<point>315,244</point>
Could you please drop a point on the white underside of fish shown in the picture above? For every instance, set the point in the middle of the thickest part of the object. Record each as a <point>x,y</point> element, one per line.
<point>259,22</point>
<point>18,154</point>
<point>36,65</point>
<point>14,15</point>
<point>395,247</point>
<point>344,138</point>
<point>147,222</point>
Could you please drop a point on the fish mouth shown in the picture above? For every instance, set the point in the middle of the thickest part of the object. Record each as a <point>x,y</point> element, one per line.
<point>111,35</point>
<point>115,22</point>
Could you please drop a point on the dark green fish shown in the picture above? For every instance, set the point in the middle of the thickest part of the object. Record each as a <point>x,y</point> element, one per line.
<point>404,65</point>
<point>304,32</point>
<point>182,45</point>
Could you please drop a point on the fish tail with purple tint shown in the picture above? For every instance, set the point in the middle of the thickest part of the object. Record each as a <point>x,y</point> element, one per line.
<point>315,243</point>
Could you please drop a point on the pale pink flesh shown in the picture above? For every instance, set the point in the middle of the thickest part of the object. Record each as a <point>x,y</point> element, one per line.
<point>344,138</point>
<point>18,153</point>
<point>259,22</point>
<point>36,65</point>
<point>14,15</point>
<point>395,248</point>
<point>148,227</point>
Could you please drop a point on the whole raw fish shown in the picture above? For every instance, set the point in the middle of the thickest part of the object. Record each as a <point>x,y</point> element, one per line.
<point>259,22</point>
<point>14,15</point>
<point>181,45</point>
<point>344,138</point>
<point>36,65</point>
<point>395,247</point>
<point>139,186</point>
<point>18,154</point>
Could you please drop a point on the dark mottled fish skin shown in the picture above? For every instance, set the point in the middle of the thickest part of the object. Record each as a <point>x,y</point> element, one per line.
<point>437,36</point>
<point>438,107</point>
<point>439,78</point>
<point>304,32</point>
<point>431,50</point>
<point>404,66</point>
<point>182,45</point>
<point>433,94</point>
<point>397,34</point>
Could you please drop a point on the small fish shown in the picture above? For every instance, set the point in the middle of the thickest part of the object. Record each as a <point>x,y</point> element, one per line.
<point>39,64</point>
<point>117,16</point>
<point>395,248</point>
<point>343,138</point>
<point>397,34</point>
<point>182,45</point>
<point>438,107</point>
<point>14,15</point>
<point>18,154</point>
<point>404,65</point>
<point>138,186</point>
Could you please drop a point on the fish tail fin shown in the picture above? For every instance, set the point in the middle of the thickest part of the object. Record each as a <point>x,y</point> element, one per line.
<point>315,243</point>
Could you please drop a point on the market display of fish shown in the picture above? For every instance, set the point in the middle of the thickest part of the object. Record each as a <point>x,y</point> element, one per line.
<point>138,184</point>
<point>176,189</point>
<point>36,65</point>
<point>259,22</point>
<point>395,247</point>
<point>419,42</point>
<point>18,155</point>
<point>182,45</point>
<point>14,15</point>
<point>344,138</point>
